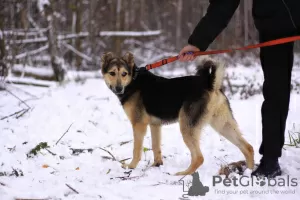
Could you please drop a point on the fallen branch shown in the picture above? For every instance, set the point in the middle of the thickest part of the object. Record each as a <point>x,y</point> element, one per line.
<point>20,115</point>
<point>18,98</point>
<point>27,93</point>
<point>130,33</point>
<point>64,134</point>
<point>126,142</point>
<point>53,154</point>
<point>3,184</point>
<point>12,114</point>
<point>72,189</point>
<point>30,82</point>
<point>33,52</point>
<point>78,53</point>
<point>123,178</point>
<point>29,199</point>
<point>33,72</point>
<point>113,157</point>
<point>124,159</point>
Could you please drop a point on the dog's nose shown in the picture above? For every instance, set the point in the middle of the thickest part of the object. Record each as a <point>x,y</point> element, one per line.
<point>119,89</point>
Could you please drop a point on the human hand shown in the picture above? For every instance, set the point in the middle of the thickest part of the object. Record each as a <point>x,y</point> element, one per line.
<point>187,57</point>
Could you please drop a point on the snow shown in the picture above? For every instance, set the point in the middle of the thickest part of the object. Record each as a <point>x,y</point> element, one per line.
<point>85,34</point>
<point>99,121</point>
<point>30,81</point>
<point>42,3</point>
<point>130,33</point>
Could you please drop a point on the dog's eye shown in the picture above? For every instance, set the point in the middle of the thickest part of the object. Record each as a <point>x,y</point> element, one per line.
<point>124,74</point>
<point>112,73</point>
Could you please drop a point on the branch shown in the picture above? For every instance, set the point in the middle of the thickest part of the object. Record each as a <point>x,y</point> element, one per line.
<point>12,114</point>
<point>3,184</point>
<point>33,52</point>
<point>64,134</point>
<point>29,199</point>
<point>114,158</point>
<point>35,25</point>
<point>77,52</point>
<point>130,33</point>
<point>86,34</point>
<point>20,115</point>
<point>24,33</point>
<point>53,154</point>
<point>72,189</point>
<point>28,81</point>
<point>18,98</point>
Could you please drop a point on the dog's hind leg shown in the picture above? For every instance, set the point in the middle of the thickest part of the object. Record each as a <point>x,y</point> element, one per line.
<point>224,123</point>
<point>139,132</point>
<point>156,142</point>
<point>191,137</point>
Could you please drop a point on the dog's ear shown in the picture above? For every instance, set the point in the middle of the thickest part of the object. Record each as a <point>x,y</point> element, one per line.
<point>128,57</point>
<point>106,57</point>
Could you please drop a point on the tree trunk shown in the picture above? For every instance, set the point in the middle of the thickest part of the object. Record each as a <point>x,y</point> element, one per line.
<point>56,60</point>
<point>3,67</point>
<point>118,40</point>
<point>92,31</point>
<point>2,45</point>
<point>237,26</point>
<point>246,22</point>
<point>78,30</point>
<point>178,24</point>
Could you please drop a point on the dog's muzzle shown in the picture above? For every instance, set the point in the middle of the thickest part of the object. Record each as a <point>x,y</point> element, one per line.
<point>118,89</point>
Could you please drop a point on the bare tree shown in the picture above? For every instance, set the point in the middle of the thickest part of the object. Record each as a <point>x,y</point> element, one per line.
<point>3,67</point>
<point>56,60</point>
<point>78,30</point>
<point>178,22</point>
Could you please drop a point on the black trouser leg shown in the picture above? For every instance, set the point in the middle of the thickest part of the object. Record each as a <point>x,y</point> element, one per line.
<point>277,63</point>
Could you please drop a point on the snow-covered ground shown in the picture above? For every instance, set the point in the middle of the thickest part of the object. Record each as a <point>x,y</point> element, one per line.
<point>96,120</point>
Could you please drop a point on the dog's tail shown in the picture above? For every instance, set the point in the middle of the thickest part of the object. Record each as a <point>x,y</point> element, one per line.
<point>209,67</point>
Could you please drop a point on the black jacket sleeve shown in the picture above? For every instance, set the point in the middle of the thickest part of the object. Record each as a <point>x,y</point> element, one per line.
<point>217,17</point>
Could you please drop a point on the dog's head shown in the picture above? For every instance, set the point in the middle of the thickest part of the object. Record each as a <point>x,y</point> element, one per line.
<point>117,71</point>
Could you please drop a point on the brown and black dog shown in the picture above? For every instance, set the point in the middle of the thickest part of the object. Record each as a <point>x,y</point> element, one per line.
<point>193,101</point>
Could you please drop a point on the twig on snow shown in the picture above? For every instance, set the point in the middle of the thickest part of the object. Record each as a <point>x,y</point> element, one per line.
<point>53,154</point>
<point>18,98</point>
<point>125,142</point>
<point>29,199</point>
<point>72,189</point>
<point>25,92</point>
<point>3,184</point>
<point>64,134</point>
<point>20,115</point>
<point>124,160</point>
<point>123,178</point>
<point>13,114</point>
<point>113,157</point>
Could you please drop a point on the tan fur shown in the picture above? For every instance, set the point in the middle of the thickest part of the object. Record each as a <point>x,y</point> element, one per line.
<point>217,114</point>
<point>118,78</point>
<point>156,143</point>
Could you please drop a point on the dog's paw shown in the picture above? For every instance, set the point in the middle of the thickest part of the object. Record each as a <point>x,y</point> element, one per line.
<point>157,163</point>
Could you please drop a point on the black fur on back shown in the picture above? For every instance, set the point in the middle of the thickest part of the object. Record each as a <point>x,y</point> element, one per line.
<point>163,97</point>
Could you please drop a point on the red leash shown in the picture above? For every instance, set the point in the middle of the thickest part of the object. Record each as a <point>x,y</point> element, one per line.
<point>200,53</point>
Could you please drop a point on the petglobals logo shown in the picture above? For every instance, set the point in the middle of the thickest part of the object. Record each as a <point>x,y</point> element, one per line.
<point>246,181</point>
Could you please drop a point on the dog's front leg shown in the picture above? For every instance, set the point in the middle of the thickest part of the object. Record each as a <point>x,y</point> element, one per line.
<point>139,132</point>
<point>156,142</point>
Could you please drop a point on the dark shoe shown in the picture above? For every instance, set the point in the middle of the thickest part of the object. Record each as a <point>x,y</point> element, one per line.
<point>268,168</point>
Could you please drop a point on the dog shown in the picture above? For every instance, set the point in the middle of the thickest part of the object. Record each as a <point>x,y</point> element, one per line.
<point>193,101</point>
